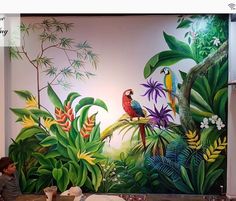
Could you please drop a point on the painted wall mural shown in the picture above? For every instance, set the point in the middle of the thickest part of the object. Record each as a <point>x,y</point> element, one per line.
<point>175,147</point>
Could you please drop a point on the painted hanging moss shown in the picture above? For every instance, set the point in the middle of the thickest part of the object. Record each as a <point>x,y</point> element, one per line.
<point>65,148</point>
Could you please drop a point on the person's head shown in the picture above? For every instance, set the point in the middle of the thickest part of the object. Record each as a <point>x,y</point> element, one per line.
<point>7,166</point>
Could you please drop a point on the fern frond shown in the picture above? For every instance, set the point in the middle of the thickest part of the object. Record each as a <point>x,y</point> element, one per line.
<point>213,152</point>
<point>165,166</point>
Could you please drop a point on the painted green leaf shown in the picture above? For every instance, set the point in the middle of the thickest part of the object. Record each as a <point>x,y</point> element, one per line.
<point>185,177</point>
<point>52,154</point>
<point>211,178</point>
<point>83,102</point>
<point>205,135</point>
<point>93,146</point>
<point>29,132</point>
<point>64,181</point>
<point>199,114</point>
<point>138,176</point>
<point>49,141</point>
<point>82,174</point>
<point>96,175</point>
<point>84,115</point>
<point>181,186</point>
<point>165,58</point>
<point>22,180</point>
<point>79,143</point>
<point>213,76</point>
<point>54,98</point>
<point>43,181</point>
<point>95,134</point>
<point>197,98</point>
<point>72,152</point>
<point>42,160</point>
<point>213,166</point>
<point>23,112</point>
<point>101,104</point>
<point>72,137</point>
<point>60,134</point>
<point>184,24</point>
<point>71,97</point>
<point>73,172</point>
<point>219,102</point>
<point>40,113</point>
<point>24,93</point>
<point>223,81</point>
<point>57,174</point>
<point>44,171</point>
<point>197,86</point>
<point>62,150</point>
<point>201,177</point>
<point>75,124</point>
<point>178,45</point>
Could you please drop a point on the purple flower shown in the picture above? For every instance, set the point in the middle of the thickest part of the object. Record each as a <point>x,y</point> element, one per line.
<point>154,89</point>
<point>160,118</point>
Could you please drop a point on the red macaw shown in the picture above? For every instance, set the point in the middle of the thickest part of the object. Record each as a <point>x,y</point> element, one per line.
<point>134,109</point>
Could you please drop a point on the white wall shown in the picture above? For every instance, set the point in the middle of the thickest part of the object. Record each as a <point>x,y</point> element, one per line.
<point>231,163</point>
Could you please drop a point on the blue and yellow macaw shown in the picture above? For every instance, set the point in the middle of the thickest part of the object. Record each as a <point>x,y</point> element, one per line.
<point>170,82</point>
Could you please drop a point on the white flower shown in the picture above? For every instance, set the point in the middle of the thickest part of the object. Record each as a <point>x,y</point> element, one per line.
<point>213,119</point>
<point>204,123</point>
<point>219,124</point>
<point>103,179</point>
<point>216,41</point>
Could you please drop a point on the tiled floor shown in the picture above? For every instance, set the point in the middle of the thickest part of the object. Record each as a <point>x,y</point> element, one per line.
<point>186,198</point>
<point>136,197</point>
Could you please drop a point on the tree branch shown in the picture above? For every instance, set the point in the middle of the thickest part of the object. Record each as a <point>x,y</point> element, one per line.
<point>185,90</point>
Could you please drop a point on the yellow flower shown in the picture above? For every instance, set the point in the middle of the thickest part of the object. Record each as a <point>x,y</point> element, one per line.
<point>87,157</point>
<point>31,102</point>
<point>27,122</point>
<point>48,122</point>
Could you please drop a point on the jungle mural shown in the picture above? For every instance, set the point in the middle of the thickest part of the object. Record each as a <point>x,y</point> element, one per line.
<point>65,147</point>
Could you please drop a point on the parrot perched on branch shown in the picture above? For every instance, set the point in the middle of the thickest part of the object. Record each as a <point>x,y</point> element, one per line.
<point>134,109</point>
<point>170,82</point>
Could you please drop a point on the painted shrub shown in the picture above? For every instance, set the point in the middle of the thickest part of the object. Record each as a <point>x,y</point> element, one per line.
<point>66,147</point>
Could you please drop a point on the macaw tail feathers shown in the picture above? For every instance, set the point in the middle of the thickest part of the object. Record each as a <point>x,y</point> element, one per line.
<point>143,134</point>
<point>172,103</point>
<point>173,106</point>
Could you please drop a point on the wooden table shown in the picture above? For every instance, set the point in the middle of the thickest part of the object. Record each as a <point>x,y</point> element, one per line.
<point>35,197</point>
